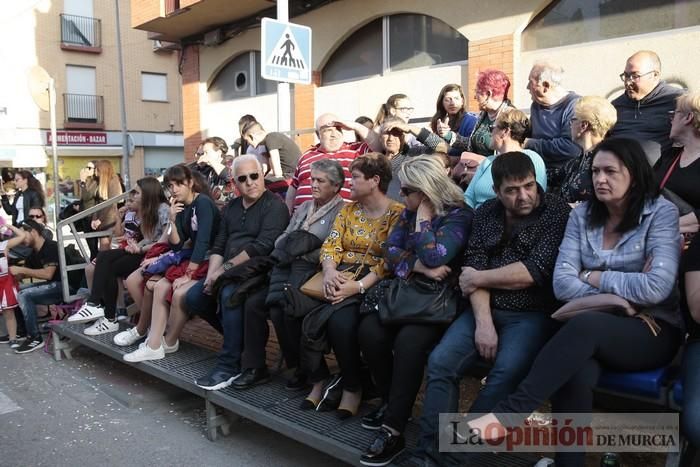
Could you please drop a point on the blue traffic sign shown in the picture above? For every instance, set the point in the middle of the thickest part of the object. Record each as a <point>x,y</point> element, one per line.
<point>286,52</point>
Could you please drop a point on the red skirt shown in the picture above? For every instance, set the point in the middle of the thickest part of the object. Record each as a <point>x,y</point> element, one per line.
<point>178,270</point>
<point>8,292</point>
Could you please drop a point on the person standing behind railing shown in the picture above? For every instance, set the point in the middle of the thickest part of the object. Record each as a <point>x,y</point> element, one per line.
<point>107,187</point>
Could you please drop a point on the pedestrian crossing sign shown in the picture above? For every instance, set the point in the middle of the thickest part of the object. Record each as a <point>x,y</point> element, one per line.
<point>286,52</point>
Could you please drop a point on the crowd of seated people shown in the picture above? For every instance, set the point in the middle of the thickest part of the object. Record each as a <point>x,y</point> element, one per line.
<point>546,209</point>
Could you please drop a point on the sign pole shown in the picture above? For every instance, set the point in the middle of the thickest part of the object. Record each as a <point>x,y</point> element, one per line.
<point>54,151</point>
<point>284,98</point>
<point>122,104</point>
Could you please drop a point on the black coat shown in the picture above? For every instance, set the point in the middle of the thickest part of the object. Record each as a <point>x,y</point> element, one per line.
<point>31,200</point>
<point>291,270</point>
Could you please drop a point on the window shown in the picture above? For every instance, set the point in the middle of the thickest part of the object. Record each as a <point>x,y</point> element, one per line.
<point>566,22</point>
<point>81,102</point>
<point>240,78</point>
<point>393,43</point>
<point>154,87</point>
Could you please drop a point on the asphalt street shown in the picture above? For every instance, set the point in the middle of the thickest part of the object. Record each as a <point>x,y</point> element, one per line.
<point>93,411</point>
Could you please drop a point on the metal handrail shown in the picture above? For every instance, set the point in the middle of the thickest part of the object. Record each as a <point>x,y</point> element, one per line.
<point>61,238</point>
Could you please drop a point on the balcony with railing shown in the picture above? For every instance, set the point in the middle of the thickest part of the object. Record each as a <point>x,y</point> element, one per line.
<point>83,111</point>
<point>81,33</point>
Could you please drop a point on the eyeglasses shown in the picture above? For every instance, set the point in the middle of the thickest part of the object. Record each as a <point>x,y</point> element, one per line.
<point>405,109</point>
<point>406,191</point>
<point>243,178</point>
<point>35,216</point>
<point>624,77</point>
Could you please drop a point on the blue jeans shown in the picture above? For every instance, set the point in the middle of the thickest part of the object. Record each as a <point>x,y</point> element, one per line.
<point>521,335</point>
<point>690,416</point>
<point>31,295</point>
<point>231,318</point>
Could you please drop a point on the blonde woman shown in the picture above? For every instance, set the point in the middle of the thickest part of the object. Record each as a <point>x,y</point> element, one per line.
<point>427,240</point>
<point>593,117</point>
<point>108,187</point>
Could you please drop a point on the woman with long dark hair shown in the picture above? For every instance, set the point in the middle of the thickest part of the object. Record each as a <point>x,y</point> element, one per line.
<point>29,194</point>
<point>151,218</point>
<point>194,218</point>
<point>450,114</point>
<point>624,241</point>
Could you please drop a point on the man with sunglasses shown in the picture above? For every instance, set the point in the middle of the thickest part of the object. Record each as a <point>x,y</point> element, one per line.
<point>249,226</point>
<point>642,109</point>
<point>329,129</point>
<point>42,264</point>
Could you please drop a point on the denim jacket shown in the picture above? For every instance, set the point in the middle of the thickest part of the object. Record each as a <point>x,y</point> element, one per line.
<point>657,237</point>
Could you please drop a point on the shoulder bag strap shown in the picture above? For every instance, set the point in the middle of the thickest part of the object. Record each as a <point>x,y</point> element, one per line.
<point>670,171</point>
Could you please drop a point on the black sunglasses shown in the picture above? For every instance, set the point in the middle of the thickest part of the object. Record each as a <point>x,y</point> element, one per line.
<point>406,191</point>
<point>242,178</point>
<point>35,216</point>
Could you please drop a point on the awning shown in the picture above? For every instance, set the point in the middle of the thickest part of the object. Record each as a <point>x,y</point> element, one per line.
<point>22,156</point>
<point>86,151</point>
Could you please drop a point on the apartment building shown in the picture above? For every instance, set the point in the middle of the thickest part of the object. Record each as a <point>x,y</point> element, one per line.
<point>366,50</point>
<point>75,41</point>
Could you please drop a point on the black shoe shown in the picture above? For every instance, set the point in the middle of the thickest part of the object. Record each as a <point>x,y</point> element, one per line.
<point>331,395</point>
<point>250,377</point>
<point>216,379</point>
<point>5,339</point>
<point>30,344</point>
<point>297,383</point>
<point>374,419</point>
<point>122,315</point>
<point>383,449</point>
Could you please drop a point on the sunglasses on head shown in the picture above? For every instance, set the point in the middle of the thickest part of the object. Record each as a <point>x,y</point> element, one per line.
<point>406,191</point>
<point>243,178</point>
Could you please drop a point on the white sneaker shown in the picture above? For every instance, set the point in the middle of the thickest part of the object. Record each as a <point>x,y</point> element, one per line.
<point>128,337</point>
<point>169,348</point>
<point>88,312</point>
<point>143,353</point>
<point>102,326</point>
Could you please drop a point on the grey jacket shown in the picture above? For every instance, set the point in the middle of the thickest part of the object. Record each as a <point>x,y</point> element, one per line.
<point>657,237</point>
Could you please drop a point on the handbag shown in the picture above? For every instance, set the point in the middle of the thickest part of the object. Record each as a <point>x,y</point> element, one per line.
<point>418,300</point>
<point>601,302</point>
<point>314,286</point>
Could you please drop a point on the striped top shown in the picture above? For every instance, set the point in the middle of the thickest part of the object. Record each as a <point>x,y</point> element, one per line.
<point>302,175</point>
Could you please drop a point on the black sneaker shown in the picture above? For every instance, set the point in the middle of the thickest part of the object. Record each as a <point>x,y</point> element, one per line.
<point>374,419</point>
<point>383,449</point>
<point>297,383</point>
<point>5,339</point>
<point>30,344</point>
<point>216,379</point>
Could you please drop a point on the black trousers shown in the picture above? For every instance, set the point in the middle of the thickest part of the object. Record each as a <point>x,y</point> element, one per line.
<point>341,332</point>
<point>569,365</point>
<point>396,356</point>
<point>255,330</point>
<point>288,330</point>
<point>110,266</point>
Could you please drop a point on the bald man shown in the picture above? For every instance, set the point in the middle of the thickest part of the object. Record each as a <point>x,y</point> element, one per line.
<point>642,111</point>
<point>329,129</point>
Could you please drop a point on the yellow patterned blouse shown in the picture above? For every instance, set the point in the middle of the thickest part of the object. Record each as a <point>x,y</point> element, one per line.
<point>353,232</point>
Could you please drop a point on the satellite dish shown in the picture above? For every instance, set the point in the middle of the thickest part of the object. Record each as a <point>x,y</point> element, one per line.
<point>38,80</point>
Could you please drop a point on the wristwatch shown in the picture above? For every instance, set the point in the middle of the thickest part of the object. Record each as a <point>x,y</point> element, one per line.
<point>362,287</point>
<point>228,266</point>
<point>586,275</point>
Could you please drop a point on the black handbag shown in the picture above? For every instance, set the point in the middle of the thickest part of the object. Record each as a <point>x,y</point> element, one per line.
<point>418,300</point>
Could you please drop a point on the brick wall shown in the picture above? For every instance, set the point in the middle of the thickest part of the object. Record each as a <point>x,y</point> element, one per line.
<point>304,96</point>
<point>190,100</point>
<point>496,53</point>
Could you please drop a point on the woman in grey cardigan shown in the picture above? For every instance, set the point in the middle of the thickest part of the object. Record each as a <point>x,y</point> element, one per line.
<point>315,217</point>
<point>624,241</point>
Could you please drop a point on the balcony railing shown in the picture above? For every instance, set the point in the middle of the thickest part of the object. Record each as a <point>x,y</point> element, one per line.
<point>171,6</point>
<point>83,110</point>
<point>81,32</point>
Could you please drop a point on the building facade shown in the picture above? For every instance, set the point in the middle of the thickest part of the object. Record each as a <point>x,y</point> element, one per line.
<point>75,42</point>
<point>364,50</point>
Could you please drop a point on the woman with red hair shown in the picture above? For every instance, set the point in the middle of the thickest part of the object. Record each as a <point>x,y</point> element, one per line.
<point>491,94</point>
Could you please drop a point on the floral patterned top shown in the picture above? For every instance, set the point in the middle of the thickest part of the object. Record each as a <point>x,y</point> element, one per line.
<point>353,233</point>
<point>437,243</point>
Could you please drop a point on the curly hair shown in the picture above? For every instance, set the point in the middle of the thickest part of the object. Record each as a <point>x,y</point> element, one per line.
<point>495,81</point>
